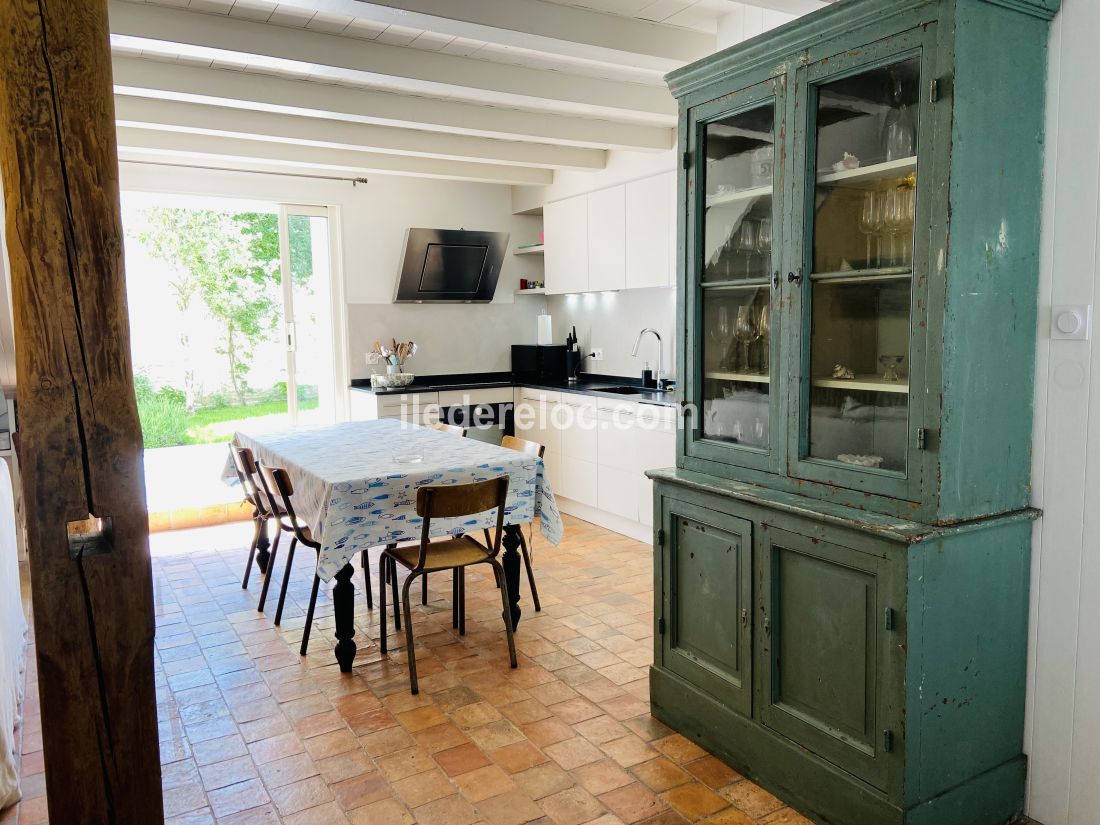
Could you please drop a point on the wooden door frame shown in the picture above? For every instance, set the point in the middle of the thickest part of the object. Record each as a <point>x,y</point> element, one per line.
<point>80,445</point>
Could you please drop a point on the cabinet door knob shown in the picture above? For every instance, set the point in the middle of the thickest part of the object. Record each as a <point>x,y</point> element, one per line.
<point>775,279</point>
<point>793,278</point>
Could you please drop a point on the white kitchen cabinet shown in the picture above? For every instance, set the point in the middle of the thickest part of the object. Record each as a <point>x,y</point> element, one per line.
<point>565,225</point>
<point>578,422</point>
<point>655,441</point>
<point>650,231</point>
<point>607,239</point>
<point>416,407</point>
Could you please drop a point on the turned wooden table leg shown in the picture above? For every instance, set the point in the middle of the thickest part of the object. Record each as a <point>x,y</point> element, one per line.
<point>510,561</point>
<point>343,608</point>
<point>263,549</point>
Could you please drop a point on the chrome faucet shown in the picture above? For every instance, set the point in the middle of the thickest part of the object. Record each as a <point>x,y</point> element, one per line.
<point>660,360</point>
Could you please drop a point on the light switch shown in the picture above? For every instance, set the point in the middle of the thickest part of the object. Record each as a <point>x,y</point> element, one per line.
<point>1071,322</point>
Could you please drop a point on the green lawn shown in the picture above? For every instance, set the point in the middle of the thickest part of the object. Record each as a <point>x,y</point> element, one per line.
<point>215,424</point>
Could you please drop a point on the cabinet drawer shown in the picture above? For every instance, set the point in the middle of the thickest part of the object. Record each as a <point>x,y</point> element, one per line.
<point>706,600</point>
<point>654,448</point>
<point>577,481</point>
<point>417,400</point>
<point>465,398</point>
<point>531,394</point>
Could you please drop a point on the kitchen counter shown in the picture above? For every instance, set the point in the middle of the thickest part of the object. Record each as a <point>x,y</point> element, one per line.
<point>587,384</point>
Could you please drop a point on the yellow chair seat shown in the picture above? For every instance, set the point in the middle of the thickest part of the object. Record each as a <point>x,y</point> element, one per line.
<point>442,555</point>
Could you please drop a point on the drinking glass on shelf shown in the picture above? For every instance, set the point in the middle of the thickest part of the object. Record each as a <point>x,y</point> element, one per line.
<point>720,335</point>
<point>890,364</point>
<point>894,221</point>
<point>870,224</point>
<point>899,131</point>
<point>746,243</point>
<point>763,332</point>
<point>744,331</point>
<point>764,241</point>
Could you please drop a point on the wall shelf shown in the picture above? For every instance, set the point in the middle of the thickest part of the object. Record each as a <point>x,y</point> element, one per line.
<point>530,250</point>
<point>864,383</point>
<point>740,195</point>
<point>749,377</point>
<point>539,291</point>
<point>870,174</point>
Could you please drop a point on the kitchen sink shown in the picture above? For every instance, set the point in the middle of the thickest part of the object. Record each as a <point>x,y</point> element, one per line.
<point>625,390</point>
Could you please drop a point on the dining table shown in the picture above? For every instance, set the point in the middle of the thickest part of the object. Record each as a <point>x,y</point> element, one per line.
<point>355,485</point>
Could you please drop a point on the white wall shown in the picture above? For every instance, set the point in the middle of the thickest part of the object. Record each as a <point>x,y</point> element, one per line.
<point>612,321</point>
<point>372,220</point>
<point>1063,728</point>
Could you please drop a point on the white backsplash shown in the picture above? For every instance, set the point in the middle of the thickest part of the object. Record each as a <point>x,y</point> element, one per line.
<point>452,338</point>
<point>612,321</point>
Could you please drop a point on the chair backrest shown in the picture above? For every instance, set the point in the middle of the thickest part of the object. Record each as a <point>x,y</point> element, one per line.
<point>450,429</point>
<point>245,465</point>
<point>522,445</point>
<point>458,500</point>
<point>277,486</point>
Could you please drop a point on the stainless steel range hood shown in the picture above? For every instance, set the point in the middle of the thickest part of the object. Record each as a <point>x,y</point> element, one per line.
<point>450,266</point>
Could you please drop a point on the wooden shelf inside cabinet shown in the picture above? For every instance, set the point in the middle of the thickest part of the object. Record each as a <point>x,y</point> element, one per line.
<point>530,250</point>
<point>858,276</point>
<point>869,174</point>
<point>740,195</point>
<point>864,383</point>
<point>539,291</point>
<point>749,377</point>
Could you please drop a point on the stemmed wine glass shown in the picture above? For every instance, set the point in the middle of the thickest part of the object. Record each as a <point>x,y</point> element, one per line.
<point>744,331</point>
<point>870,222</point>
<point>720,335</point>
<point>763,333</point>
<point>894,221</point>
<point>746,243</point>
<point>764,241</point>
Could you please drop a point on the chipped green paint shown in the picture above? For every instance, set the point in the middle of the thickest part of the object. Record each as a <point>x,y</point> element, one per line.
<point>918,586</point>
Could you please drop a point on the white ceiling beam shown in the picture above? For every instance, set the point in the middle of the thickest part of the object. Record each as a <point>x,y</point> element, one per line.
<point>566,31</point>
<point>395,67</point>
<point>795,7</point>
<point>153,143</point>
<point>198,118</point>
<point>151,78</point>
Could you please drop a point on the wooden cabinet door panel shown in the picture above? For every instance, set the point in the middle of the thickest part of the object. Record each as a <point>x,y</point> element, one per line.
<point>828,660</point>
<point>566,254</point>
<point>707,592</point>
<point>607,239</point>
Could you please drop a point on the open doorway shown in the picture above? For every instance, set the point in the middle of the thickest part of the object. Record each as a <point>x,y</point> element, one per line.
<point>230,325</point>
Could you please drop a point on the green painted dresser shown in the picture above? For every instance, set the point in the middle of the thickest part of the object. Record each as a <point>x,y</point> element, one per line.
<point>842,553</point>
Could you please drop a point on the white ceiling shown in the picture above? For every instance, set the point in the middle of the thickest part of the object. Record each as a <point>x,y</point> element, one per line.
<point>495,90</point>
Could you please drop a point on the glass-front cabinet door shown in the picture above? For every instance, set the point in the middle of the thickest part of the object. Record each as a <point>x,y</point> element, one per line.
<point>857,325</point>
<point>735,190</point>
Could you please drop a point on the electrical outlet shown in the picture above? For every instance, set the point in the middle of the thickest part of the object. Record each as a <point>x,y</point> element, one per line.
<point>597,353</point>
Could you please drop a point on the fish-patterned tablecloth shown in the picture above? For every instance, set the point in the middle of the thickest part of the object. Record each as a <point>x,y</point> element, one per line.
<point>356,482</point>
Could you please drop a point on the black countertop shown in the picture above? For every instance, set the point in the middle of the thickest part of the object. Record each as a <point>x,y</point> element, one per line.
<point>587,384</point>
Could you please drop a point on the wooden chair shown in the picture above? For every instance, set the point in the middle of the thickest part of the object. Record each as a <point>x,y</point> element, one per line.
<point>450,429</point>
<point>531,448</point>
<point>276,482</point>
<point>245,465</point>
<point>457,553</point>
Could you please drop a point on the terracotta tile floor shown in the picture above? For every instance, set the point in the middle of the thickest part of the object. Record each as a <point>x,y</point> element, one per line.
<point>251,733</point>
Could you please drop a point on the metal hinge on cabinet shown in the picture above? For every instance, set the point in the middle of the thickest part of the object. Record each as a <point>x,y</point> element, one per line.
<point>661,537</point>
<point>934,90</point>
<point>888,620</point>
<point>686,160</point>
<point>887,741</point>
<point>922,438</point>
<point>661,626</point>
<point>744,617</point>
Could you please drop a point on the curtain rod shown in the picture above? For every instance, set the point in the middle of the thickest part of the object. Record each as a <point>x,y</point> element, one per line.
<point>353,181</point>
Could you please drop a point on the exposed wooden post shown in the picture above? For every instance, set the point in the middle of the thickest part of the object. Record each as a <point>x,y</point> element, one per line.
<point>80,441</point>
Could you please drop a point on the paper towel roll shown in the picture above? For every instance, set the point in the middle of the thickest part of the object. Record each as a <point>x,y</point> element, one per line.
<point>546,332</point>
